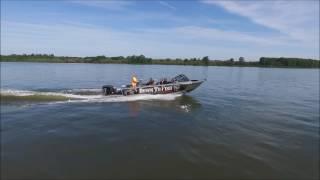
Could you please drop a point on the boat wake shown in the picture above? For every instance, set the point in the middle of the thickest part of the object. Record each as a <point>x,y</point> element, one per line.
<point>76,95</point>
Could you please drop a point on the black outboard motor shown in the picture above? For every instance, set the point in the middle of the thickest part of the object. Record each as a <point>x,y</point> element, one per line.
<point>108,89</point>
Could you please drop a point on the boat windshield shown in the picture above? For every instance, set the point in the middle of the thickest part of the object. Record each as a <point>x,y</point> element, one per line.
<point>181,78</point>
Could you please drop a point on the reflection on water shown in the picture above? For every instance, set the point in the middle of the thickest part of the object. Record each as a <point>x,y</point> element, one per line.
<point>183,103</point>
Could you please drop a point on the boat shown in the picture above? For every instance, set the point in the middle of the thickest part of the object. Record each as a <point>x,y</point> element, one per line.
<point>179,84</point>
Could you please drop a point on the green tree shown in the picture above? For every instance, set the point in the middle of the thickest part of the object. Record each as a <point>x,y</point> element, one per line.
<point>205,60</point>
<point>241,59</point>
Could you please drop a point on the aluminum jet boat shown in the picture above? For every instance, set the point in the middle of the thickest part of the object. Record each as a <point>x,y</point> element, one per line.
<point>178,84</point>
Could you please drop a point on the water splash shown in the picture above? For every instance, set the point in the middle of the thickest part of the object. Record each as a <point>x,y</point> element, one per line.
<point>185,107</point>
<point>80,95</point>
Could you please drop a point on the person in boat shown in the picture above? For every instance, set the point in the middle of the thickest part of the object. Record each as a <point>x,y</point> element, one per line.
<point>134,81</point>
<point>160,81</point>
<point>165,81</point>
<point>150,82</point>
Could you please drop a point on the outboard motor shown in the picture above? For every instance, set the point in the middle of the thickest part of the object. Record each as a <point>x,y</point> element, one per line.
<point>108,89</point>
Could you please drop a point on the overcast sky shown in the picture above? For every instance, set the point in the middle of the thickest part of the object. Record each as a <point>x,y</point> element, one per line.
<point>159,29</point>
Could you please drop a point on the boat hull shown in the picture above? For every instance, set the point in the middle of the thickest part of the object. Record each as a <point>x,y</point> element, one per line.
<point>190,86</point>
<point>180,87</point>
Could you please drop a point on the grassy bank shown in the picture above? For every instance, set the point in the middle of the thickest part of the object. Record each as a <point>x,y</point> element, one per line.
<point>205,61</point>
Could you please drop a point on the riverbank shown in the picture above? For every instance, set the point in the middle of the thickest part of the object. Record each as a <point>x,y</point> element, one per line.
<point>205,61</point>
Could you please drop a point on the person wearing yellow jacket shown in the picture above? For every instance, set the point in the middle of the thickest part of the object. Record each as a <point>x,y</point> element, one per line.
<point>134,81</point>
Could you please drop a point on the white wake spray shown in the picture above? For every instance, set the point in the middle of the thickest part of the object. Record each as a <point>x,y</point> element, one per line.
<point>76,96</point>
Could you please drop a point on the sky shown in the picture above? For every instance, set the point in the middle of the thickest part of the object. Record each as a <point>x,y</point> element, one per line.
<point>162,28</point>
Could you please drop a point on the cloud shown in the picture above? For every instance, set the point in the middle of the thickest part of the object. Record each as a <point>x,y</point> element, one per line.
<point>210,34</point>
<point>181,42</point>
<point>299,20</point>
<point>166,4</point>
<point>217,37</point>
<point>105,4</point>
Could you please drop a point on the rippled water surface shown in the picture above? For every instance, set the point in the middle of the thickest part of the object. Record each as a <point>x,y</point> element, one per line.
<point>241,123</point>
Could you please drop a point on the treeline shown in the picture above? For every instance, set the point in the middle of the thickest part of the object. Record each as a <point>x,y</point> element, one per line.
<point>141,59</point>
<point>288,62</point>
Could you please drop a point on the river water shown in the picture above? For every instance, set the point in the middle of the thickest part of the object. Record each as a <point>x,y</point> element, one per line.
<point>247,123</point>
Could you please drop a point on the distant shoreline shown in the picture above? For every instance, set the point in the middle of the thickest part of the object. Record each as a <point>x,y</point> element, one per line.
<point>287,67</point>
<point>280,62</point>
